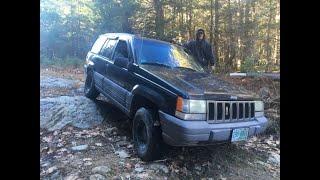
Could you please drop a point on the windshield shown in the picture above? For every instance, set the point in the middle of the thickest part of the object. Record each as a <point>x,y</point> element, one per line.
<point>166,55</point>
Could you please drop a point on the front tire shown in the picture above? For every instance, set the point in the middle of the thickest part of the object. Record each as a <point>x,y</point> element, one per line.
<point>90,90</point>
<point>146,136</point>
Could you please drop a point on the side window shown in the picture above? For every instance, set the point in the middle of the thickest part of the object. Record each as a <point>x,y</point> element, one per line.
<point>121,50</point>
<point>107,48</point>
<point>98,44</point>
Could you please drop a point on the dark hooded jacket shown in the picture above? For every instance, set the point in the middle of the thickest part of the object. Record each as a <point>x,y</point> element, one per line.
<point>201,50</point>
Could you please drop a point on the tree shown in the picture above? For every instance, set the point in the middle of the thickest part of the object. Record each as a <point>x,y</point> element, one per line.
<point>239,30</point>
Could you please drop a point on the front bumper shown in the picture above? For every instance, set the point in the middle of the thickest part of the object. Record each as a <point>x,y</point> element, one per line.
<point>177,132</point>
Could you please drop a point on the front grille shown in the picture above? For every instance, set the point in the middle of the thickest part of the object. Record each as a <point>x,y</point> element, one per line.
<point>230,111</point>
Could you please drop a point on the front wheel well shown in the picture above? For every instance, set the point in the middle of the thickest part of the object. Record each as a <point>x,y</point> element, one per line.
<point>139,101</point>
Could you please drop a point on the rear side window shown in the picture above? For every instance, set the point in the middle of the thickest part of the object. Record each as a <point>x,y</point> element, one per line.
<point>98,44</point>
<point>108,47</point>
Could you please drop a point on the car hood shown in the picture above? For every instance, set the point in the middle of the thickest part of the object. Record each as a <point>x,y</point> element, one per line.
<point>200,85</point>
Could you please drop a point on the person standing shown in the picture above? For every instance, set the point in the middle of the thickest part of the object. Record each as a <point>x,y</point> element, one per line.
<point>202,51</point>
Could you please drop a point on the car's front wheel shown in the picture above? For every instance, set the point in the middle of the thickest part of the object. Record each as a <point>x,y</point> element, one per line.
<point>90,90</point>
<point>146,136</point>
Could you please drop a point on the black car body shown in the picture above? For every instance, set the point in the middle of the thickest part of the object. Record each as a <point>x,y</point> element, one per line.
<point>190,107</point>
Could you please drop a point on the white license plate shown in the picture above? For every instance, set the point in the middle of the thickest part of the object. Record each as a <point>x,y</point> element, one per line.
<point>240,134</point>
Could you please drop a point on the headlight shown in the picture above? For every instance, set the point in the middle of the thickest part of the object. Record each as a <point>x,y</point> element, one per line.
<point>191,109</point>
<point>197,106</point>
<point>191,106</point>
<point>258,106</point>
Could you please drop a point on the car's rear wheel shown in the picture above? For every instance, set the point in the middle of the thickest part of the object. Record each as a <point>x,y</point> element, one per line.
<point>146,136</point>
<point>90,90</point>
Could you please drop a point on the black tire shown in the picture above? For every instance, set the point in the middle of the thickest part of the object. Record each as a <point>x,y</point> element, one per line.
<point>146,136</point>
<point>90,90</point>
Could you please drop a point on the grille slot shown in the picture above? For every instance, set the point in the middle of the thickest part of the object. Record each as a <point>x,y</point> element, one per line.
<point>211,111</point>
<point>230,111</point>
<point>234,110</point>
<point>241,110</point>
<point>219,111</point>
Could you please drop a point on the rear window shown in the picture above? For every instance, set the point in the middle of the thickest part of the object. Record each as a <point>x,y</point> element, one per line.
<point>98,44</point>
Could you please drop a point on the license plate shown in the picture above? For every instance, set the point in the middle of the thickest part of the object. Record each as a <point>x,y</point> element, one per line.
<point>240,134</point>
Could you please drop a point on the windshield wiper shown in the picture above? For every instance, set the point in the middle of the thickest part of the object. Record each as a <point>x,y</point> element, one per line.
<point>185,68</point>
<point>156,64</point>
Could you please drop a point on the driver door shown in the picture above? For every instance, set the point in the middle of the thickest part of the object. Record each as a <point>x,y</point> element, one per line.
<point>117,77</point>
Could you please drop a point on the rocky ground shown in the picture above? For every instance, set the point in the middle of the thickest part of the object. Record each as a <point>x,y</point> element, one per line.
<point>85,139</point>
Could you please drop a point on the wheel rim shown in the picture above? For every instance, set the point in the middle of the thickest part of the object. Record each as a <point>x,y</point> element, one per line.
<point>141,136</point>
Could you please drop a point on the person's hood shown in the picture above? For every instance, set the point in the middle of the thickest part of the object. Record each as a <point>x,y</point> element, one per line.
<point>197,34</point>
<point>198,85</point>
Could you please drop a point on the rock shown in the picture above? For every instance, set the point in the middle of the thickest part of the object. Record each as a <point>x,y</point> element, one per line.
<point>78,111</point>
<point>111,130</point>
<point>87,163</point>
<point>128,166</point>
<point>122,154</point>
<point>122,143</point>
<point>101,169</point>
<point>72,177</point>
<point>158,166</point>
<point>139,170</point>
<point>97,177</point>
<point>198,168</point>
<point>56,176</point>
<point>262,163</point>
<point>45,164</point>
<point>98,144</point>
<point>51,169</point>
<point>143,176</point>
<point>116,178</point>
<point>274,158</point>
<point>87,159</point>
<point>80,147</point>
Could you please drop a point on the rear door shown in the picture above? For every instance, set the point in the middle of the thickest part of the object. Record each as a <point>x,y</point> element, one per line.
<point>94,56</point>
<point>103,60</point>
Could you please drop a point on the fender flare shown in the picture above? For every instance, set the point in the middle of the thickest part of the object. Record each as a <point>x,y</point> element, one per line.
<point>149,94</point>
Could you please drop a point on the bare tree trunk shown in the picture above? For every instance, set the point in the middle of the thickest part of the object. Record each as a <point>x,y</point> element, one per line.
<point>240,34</point>
<point>174,17</point>
<point>255,31</point>
<point>230,51</point>
<point>190,19</point>
<point>216,30</point>
<point>268,48</point>
<point>247,42</point>
<point>211,21</point>
<point>181,16</point>
<point>159,21</point>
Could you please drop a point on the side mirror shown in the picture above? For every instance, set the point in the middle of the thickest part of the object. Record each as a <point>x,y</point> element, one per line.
<point>121,62</point>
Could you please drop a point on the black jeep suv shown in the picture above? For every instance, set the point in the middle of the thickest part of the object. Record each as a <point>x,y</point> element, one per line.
<point>168,95</point>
